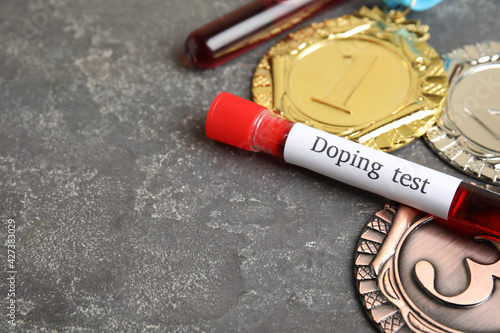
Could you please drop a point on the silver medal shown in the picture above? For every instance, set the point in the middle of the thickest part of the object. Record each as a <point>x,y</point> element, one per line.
<point>467,135</point>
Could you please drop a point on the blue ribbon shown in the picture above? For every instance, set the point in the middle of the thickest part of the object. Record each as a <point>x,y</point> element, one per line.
<point>419,5</point>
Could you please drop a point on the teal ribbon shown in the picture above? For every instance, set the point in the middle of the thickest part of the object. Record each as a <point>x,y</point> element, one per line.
<point>419,5</point>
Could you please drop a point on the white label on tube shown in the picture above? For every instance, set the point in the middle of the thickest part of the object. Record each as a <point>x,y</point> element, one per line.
<point>372,170</point>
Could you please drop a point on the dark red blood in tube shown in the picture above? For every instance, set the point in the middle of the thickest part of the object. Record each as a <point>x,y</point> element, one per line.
<point>246,27</point>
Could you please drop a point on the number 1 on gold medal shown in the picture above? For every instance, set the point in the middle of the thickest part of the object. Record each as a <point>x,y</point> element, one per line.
<point>348,84</point>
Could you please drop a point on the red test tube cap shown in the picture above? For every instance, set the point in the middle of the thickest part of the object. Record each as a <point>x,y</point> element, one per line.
<point>231,119</point>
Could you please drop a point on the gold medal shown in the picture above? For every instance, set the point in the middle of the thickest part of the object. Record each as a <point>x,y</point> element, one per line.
<point>467,136</point>
<point>370,77</point>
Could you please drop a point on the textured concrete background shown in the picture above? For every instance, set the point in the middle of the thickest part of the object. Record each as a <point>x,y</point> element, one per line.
<point>128,218</point>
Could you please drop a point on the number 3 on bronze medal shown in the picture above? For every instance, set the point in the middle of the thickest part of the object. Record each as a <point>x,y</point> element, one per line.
<point>350,81</point>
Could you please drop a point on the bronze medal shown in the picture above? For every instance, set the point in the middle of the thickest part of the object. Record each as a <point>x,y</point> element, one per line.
<point>418,273</point>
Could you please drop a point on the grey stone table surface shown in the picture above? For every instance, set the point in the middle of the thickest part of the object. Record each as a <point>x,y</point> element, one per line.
<point>128,219</point>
